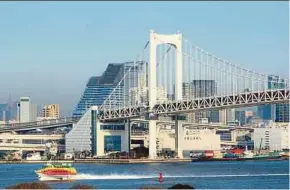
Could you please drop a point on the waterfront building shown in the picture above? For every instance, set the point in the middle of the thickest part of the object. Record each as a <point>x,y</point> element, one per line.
<point>98,138</point>
<point>192,139</point>
<point>10,141</point>
<point>50,111</point>
<point>28,111</point>
<point>272,137</point>
<point>235,137</point>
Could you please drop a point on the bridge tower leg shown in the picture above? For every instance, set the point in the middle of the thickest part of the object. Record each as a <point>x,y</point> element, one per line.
<point>178,137</point>
<point>155,40</point>
<point>152,139</point>
<point>127,136</point>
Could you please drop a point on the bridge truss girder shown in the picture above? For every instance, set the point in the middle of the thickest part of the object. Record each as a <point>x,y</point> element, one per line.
<point>216,102</point>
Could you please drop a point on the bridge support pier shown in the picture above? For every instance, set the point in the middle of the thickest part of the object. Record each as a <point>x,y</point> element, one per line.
<point>127,136</point>
<point>152,139</point>
<point>178,137</point>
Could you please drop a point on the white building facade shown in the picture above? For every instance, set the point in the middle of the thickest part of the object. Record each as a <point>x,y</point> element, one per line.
<point>28,111</point>
<point>98,138</point>
<point>24,109</point>
<point>272,138</point>
<point>192,139</point>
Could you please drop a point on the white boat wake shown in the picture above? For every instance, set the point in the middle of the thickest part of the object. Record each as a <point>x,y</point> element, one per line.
<point>83,176</point>
<point>112,176</point>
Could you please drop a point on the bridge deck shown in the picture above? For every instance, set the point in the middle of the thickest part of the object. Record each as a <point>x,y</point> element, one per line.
<point>185,106</point>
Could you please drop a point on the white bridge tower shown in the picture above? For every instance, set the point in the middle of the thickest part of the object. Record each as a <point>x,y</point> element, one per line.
<point>155,40</point>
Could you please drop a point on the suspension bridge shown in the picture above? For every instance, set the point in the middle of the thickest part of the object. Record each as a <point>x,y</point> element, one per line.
<point>172,77</point>
<point>179,77</point>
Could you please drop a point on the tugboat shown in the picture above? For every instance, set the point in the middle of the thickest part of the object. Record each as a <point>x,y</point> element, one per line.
<point>54,171</point>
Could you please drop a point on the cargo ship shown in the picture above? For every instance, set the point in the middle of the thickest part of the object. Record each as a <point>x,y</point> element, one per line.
<point>235,155</point>
<point>55,171</point>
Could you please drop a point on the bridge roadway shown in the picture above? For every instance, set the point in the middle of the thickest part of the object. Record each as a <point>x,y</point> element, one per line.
<point>5,136</point>
<point>19,146</point>
<point>4,145</point>
<point>17,127</point>
<point>245,99</point>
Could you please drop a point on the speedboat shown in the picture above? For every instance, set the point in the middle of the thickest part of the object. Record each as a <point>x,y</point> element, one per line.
<point>55,171</point>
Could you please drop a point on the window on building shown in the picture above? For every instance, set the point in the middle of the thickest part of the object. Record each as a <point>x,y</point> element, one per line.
<point>112,127</point>
<point>112,143</point>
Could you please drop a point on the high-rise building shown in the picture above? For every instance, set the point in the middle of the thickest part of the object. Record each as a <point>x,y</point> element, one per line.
<point>98,88</point>
<point>275,112</point>
<point>282,113</point>
<point>240,115</point>
<point>8,111</point>
<point>24,109</point>
<point>33,112</point>
<point>230,115</point>
<point>199,89</point>
<point>214,116</point>
<point>265,112</point>
<point>2,111</point>
<point>51,111</point>
<point>28,111</point>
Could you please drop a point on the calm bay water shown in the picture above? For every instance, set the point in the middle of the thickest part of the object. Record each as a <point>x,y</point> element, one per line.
<point>203,175</point>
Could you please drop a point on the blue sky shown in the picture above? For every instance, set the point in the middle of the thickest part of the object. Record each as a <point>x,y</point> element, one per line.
<point>48,50</point>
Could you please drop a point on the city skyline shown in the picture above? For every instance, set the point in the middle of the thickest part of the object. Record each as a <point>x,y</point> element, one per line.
<point>59,51</point>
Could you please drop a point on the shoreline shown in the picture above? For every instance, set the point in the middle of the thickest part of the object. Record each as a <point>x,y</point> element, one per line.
<point>104,161</point>
<point>129,161</point>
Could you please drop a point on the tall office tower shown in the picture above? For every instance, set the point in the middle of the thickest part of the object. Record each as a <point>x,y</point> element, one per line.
<point>231,115</point>
<point>51,111</point>
<point>240,115</point>
<point>282,113</point>
<point>275,112</point>
<point>205,88</point>
<point>28,111</point>
<point>24,109</point>
<point>8,111</point>
<point>200,89</point>
<point>2,111</point>
<point>223,116</point>
<point>33,112</point>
